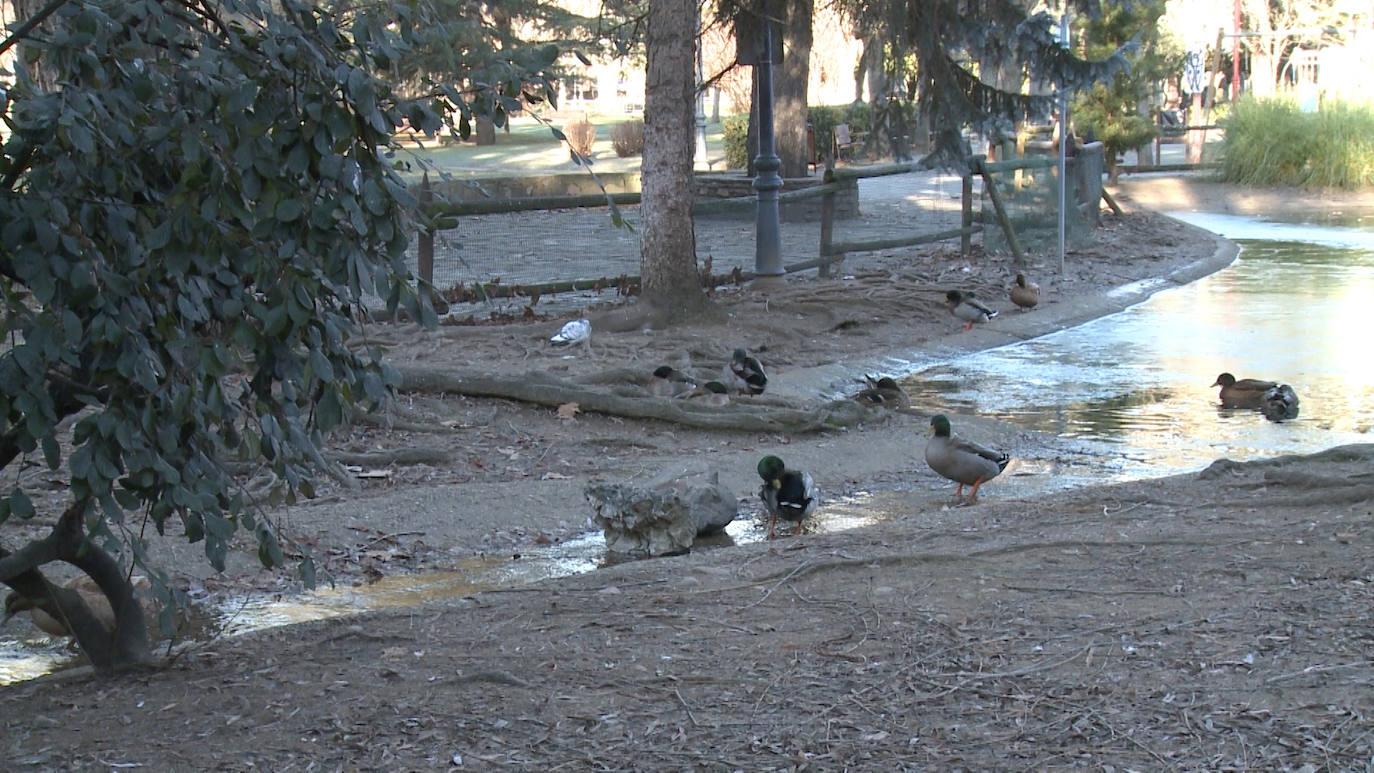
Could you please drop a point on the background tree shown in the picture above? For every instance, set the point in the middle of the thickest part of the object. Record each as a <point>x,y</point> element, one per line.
<point>668,264</point>
<point>790,82</point>
<point>1116,111</point>
<point>196,218</point>
<point>940,46</point>
<point>487,48</point>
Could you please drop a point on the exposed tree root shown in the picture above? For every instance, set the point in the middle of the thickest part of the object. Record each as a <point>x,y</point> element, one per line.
<point>747,414</point>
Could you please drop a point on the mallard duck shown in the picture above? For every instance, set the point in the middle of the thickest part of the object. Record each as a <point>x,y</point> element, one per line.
<point>91,595</point>
<point>884,392</point>
<point>787,493</point>
<point>711,393</point>
<point>962,461</point>
<point>1245,393</point>
<point>670,382</point>
<point>966,307</point>
<point>744,374</point>
<point>1280,403</point>
<point>578,331</point>
<point>1024,293</point>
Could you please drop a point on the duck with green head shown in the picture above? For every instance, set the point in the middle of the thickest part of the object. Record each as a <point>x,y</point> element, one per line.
<point>670,382</point>
<point>962,461</point>
<point>787,493</point>
<point>969,309</point>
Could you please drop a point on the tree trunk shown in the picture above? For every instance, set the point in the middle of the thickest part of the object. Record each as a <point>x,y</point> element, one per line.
<point>789,90</point>
<point>668,262</point>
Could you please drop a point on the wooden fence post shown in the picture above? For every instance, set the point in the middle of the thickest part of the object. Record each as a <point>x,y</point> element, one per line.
<point>991,188</point>
<point>827,222</point>
<point>966,215</point>
<point>424,247</point>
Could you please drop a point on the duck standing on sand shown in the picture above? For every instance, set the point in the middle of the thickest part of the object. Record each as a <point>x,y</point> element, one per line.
<point>1024,293</point>
<point>884,392</point>
<point>966,307</point>
<point>744,374</point>
<point>787,493</point>
<point>962,461</point>
<point>1243,393</point>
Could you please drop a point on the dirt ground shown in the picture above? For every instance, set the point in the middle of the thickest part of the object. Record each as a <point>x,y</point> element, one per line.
<point>1213,621</point>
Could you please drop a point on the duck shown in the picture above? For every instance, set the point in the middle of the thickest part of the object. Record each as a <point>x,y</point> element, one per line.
<point>1243,393</point>
<point>787,493</point>
<point>1025,293</point>
<point>577,331</point>
<point>966,307</point>
<point>94,599</point>
<point>744,374</point>
<point>711,393</point>
<point>670,382</point>
<point>962,461</point>
<point>885,392</point>
<point>1280,403</point>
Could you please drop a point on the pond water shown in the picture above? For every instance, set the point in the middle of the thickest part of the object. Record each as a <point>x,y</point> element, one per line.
<point>1292,308</point>
<point>1131,391</point>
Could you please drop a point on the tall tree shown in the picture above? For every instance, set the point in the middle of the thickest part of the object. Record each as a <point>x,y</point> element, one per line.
<point>198,213</point>
<point>790,81</point>
<point>1111,109</point>
<point>668,264</point>
<point>940,43</point>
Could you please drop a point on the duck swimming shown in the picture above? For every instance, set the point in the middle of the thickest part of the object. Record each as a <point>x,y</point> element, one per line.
<point>1243,393</point>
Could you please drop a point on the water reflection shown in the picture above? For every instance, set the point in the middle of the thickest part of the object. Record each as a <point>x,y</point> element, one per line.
<point>1290,309</point>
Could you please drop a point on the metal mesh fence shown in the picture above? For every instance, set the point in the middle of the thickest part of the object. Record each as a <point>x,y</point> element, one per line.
<point>547,246</point>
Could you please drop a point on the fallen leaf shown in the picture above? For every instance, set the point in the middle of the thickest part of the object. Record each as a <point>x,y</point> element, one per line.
<point>555,476</point>
<point>568,410</point>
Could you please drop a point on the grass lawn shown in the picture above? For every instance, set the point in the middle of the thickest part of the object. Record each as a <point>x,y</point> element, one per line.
<point>530,148</point>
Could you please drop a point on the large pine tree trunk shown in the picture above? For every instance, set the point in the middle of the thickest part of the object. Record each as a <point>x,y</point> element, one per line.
<point>789,90</point>
<point>667,261</point>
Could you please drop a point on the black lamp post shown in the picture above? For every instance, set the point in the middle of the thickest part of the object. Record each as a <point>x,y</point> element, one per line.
<point>768,245</point>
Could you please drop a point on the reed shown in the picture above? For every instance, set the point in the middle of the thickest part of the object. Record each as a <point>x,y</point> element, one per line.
<point>1273,142</point>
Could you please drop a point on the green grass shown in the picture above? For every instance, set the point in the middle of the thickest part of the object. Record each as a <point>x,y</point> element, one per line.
<point>1272,142</point>
<point>531,148</point>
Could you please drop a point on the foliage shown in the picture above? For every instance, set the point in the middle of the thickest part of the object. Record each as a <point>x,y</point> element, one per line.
<point>735,137</point>
<point>581,136</point>
<point>1111,110</point>
<point>627,137</point>
<point>487,48</point>
<point>1273,142</point>
<point>934,50</point>
<point>194,219</point>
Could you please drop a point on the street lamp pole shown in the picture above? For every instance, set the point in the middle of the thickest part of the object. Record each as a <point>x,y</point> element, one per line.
<point>768,244</point>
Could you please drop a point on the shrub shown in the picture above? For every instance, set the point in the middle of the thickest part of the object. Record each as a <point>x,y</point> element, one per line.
<point>581,135</point>
<point>628,138</point>
<point>823,119</point>
<point>736,137</point>
<point>1273,142</point>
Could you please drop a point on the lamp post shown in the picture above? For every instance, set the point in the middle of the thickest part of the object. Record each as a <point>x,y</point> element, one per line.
<point>768,244</point>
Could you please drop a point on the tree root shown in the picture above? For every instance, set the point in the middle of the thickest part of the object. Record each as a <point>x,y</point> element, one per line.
<point>746,414</point>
